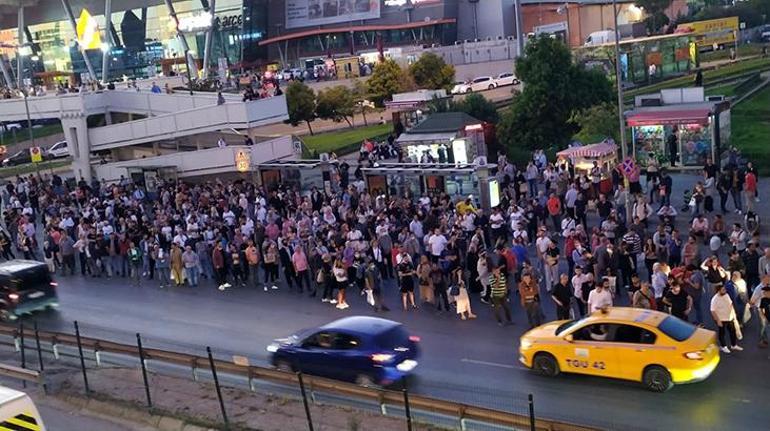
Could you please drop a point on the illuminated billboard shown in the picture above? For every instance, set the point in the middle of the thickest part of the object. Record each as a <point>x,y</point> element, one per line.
<point>305,13</point>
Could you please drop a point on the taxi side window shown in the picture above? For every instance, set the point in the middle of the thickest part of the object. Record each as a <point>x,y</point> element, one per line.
<point>595,332</point>
<point>633,334</point>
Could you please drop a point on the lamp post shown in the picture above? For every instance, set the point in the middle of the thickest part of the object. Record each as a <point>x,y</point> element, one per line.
<point>621,121</point>
<point>189,75</point>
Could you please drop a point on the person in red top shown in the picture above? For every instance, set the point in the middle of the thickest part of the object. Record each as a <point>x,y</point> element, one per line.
<point>750,190</point>
<point>554,210</point>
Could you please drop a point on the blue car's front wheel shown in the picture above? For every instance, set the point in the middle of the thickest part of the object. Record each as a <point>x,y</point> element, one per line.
<point>284,365</point>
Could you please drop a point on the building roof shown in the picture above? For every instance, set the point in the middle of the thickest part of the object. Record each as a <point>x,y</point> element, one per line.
<point>444,122</point>
<point>680,113</point>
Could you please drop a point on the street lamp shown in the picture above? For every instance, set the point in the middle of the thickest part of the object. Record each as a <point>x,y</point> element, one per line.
<point>621,121</point>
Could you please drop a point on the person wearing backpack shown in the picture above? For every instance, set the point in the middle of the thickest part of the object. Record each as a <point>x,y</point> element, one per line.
<point>760,299</point>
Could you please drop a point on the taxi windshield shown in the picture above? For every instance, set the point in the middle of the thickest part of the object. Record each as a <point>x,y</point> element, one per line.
<point>676,328</point>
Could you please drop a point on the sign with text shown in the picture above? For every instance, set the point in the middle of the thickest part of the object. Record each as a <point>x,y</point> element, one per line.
<point>304,13</point>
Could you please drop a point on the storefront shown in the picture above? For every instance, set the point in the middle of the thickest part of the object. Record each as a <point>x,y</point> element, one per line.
<point>143,37</point>
<point>693,130</point>
<point>450,137</point>
<point>415,180</point>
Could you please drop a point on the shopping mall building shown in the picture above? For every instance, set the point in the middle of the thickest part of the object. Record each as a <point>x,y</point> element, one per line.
<point>144,38</point>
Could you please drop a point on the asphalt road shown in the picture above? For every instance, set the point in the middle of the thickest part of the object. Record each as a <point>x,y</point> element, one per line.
<point>469,361</point>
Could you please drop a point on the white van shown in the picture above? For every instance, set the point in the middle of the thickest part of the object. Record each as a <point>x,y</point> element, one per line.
<point>18,411</point>
<point>600,37</point>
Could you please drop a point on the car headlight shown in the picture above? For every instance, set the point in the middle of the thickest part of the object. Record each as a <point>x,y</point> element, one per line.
<point>272,347</point>
<point>526,343</point>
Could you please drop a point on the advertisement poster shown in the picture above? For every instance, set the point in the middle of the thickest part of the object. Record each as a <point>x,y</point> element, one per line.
<point>305,13</point>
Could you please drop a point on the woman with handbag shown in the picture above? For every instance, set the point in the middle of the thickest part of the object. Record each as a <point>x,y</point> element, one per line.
<point>460,294</point>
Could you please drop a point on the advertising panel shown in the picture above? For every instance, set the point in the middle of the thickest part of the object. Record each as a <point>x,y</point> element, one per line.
<point>304,13</point>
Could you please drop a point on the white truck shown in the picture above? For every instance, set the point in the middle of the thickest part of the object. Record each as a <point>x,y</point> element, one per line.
<point>600,38</point>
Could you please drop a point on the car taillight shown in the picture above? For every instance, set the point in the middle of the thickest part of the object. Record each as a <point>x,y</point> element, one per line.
<point>695,356</point>
<point>414,338</point>
<point>13,296</point>
<point>382,357</point>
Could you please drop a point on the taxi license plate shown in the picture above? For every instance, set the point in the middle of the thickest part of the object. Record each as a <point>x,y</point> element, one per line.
<point>35,295</point>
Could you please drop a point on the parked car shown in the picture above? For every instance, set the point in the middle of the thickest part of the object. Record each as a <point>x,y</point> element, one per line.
<point>459,87</point>
<point>479,84</point>
<point>507,78</point>
<point>58,150</point>
<point>365,350</point>
<point>7,127</point>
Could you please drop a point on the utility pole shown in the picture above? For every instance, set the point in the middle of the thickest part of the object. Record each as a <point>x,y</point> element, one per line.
<point>621,120</point>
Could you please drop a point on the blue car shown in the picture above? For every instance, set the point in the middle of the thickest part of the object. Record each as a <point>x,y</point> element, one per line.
<point>366,350</point>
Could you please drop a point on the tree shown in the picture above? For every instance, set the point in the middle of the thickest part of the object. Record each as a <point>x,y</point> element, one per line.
<point>300,100</point>
<point>554,89</point>
<point>387,79</point>
<point>596,123</point>
<point>656,13</point>
<point>432,73</point>
<point>361,97</point>
<point>479,107</point>
<point>337,104</point>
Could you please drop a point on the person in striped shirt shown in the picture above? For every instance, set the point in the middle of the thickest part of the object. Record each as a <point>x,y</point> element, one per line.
<point>499,295</point>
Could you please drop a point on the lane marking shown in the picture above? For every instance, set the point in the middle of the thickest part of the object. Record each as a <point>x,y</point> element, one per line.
<point>491,364</point>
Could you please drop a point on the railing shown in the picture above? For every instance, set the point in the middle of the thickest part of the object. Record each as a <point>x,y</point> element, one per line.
<point>193,121</point>
<point>461,412</point>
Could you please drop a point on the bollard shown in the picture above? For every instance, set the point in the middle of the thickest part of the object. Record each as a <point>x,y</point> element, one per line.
<point>407,411</point>
<point>304,401</point>
<point>219,389</point>
<point>531,413</point>
<point>144,370</point>
<point>40,356</point>
<point>82,359</point>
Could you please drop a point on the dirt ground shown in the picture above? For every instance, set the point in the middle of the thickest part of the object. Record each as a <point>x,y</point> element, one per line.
<point>197,403</point>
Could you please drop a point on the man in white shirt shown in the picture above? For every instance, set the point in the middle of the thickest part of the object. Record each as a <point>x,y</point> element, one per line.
<point>600,297</point>
<point>437,242</point>
<point>416,228</point>
<point>724,316</point>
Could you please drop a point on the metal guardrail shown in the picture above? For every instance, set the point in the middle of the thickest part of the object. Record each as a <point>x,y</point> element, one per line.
<point>383,397</point>
<point>22,374</point>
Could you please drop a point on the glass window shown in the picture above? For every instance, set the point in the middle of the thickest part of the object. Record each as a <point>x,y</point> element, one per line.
<point>633,334</point>
<point>676,328</point>
<point>346,342</point>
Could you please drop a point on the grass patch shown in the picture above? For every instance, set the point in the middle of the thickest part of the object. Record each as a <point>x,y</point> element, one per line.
<point>23,135</point>
<point>723,54</point>
<point>30,168</point>
<point>727,90</point>
<point>342,141</point>
<point>709,76</point>
<point>751,129</point>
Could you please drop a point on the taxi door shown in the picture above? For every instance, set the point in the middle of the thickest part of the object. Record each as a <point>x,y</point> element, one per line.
<point>636,345</point>
<point>592,352</point>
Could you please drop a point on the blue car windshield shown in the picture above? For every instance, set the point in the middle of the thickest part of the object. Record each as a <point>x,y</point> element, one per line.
<point>676,328</point>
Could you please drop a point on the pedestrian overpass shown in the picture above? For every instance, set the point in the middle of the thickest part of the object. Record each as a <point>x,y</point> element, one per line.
<point>132,118</point>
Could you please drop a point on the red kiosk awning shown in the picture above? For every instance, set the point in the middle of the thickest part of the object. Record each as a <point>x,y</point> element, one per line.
<point>669,117</point>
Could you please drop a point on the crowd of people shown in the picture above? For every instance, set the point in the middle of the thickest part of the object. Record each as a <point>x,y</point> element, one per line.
<point>559,243</point>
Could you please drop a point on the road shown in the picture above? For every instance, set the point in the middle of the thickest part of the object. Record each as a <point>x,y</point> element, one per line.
<point>469,361</point>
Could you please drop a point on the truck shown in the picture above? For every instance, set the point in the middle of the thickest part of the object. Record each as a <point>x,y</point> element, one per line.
<point>712,33</point>
<point>600,38</point>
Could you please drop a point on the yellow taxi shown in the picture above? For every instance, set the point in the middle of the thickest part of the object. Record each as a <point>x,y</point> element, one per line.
<point>654,348</point>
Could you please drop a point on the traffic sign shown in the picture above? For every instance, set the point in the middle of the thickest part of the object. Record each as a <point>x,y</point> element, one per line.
<point>36,154</point>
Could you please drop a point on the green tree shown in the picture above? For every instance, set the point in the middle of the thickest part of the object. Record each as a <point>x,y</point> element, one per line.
<point>301,102</point>
<point>656,13</point>
<point>337,104</point>
<point>554,88</point>
<point>387,79</point>
<point>432,73</point>
<point>479,107</point>
<point>596,123</point>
